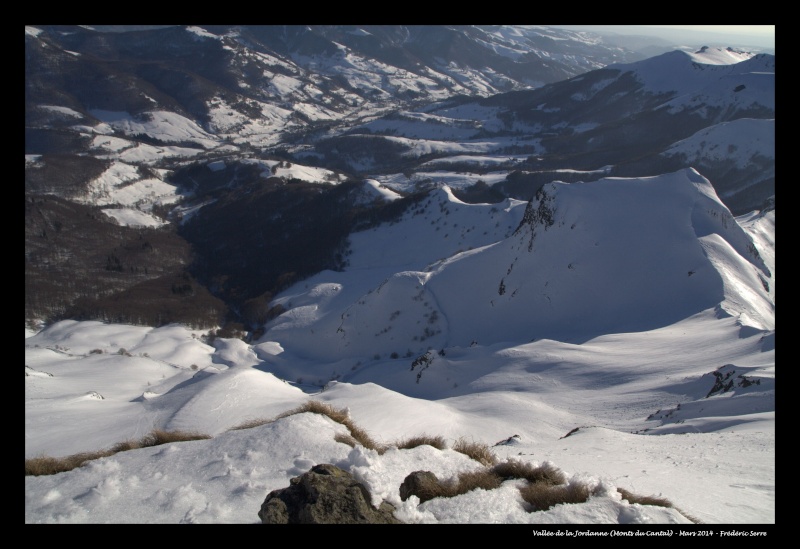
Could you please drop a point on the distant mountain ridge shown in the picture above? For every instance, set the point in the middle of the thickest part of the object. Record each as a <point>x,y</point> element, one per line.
<point>310,72</point>
<point>619,120</point>
<point>246,143</point>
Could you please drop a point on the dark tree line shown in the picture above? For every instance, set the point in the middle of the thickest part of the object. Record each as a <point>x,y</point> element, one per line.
<point>265,236</point>
<point>81,265</point>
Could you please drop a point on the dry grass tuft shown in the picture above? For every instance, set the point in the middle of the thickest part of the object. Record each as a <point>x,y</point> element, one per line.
<point>694,520</point>
<point>426,486</point>
<point>345,439</point>
<point>546,485</point>
<point>542,496</point>
<point>476,450</point>
<point>44,465</point>
<point>630,497</point>
<point>546,473</point>
<point>364,439</point>
<point>340,416</point>
<point>317,407</point>
<point>437,442</point>
<point>472,480</point>
<point>156,438</point>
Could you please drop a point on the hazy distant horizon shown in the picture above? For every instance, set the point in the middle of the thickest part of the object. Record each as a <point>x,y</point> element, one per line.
<point>761,36</point>
<point>729,35</point>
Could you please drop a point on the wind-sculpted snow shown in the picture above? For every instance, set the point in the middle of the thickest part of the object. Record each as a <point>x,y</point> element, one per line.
<point>586,259</point>
<point>586,409</point>
<point>215,401</point>
<point>435,229</point>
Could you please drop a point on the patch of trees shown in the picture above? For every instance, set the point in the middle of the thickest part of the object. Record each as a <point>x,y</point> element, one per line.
<point>55,141</point>
<point>80,264</point>
<point>247,108</point>
<point>154,302</point>
<point>263,238</point>
<point>206,183</point>
<point>66,175</point>
<point>86,80</point>
<point>479,193</point>
<point>178,89</point>
<point>146,138</point>
<point>347,152</point>
<point>523,185</point>
<point>259,240</point>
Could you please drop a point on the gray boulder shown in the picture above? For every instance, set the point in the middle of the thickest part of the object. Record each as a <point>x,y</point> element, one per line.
<point>422,484</point>
<point>324,495</point>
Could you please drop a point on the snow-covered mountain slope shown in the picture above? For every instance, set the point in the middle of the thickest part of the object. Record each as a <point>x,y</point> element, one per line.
<point>581,260</point>
<point>740,86</point>
<point>162,97</point>
<point>252,81</point>
<point>277,78</point>
<point>719,56</point>
<point>189,129</point>
<point>627,410</point>
<point>742,141</point>
<point>623,120</point>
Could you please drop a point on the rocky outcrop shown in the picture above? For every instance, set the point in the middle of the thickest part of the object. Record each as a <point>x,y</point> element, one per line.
<point>423,484</point>
<point>324,495</point>
<point>725,380</point>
